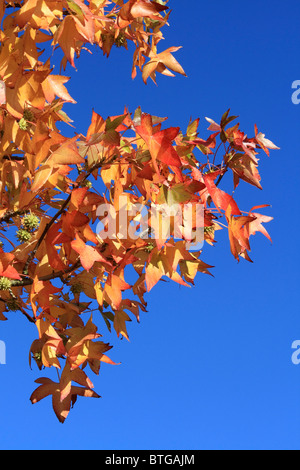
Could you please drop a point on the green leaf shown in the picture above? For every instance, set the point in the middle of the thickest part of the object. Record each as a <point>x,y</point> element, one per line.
<point>75,9</point>
<point>113,125</point>
<point>107,317</point>
<point>176,195</point>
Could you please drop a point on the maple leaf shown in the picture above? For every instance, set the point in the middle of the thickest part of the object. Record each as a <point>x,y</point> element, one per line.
<point>221,199</point>
<point>6,268</point>
<point>258,219</point>
<point>35,12</point>
<point>72,375</point>
<point>40,294</point>
<point>120,319</point>
<point>60,407</point>
<point>41,177</point>
<point>113,290</point>
<point>86,350</point>
<point>139,8</point>
<point>67,36</point>
<point>163,63</point>
<point>54,237</point>
<point>159,142</point>
<point>88,254</point>
<point>264,143</point>
<point>213,125</point>
<point>54,86</point>
<point>159,264</point>
<point>66,154</point>
<point>244,168</point>
<point>80,346</point>
<point>52,345</point>
<point>238,234</point>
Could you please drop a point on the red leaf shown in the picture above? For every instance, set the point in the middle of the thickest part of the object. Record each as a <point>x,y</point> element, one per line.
<point>221,199</point>
<point>159,143</point>
<point>6,269</point>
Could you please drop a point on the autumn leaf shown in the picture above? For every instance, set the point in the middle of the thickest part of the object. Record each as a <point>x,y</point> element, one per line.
<point>66,154</point>
<point>120,319</point>
<point>141,8</point>
<point>258,219</point>
<point>60,407</point>
<point>264,143</point>
<point>54,86</point>
<point>113,290</point>
<point>238,234</point>
<point>88,254</point>
<point>53,238</point>
<point>221,199</point>
<point>68,376</point>
<point>6,267</point>
<point>41,177</point>
<point>160,142</point>
<point>163,63</point>
<point>55,268</point>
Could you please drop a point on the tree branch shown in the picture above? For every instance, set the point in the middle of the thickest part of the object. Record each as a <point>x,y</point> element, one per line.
<point>55,217</point>
<point>48,277</point>
<point>8,215</point>
<point>44,233</point>
<point>29,318</point>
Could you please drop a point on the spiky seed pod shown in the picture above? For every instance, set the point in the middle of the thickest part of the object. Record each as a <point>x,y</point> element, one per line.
<point>149,247</point>
<point>23,235</point>
<point>30,222</point>
<point>76,288</point>
<point>121,41</point>
<point>28,115</point>
<point>12,305</point>
<point>210,229</point>
<point>37,356</point>
<point>23,124</point>
<point>5,283</point>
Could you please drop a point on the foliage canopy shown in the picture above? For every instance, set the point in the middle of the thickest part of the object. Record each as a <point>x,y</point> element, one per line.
<point>56,268</point>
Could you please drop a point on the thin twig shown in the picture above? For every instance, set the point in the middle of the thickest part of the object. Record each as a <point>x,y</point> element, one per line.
<point>48,277</point>
<point>44,233</point>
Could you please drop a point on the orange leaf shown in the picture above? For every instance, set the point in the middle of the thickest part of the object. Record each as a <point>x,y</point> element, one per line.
<point>54,86</point>
<point>41,177</point>
<point>88,254</point>
<point>60,407</point>
<point>66,154</point>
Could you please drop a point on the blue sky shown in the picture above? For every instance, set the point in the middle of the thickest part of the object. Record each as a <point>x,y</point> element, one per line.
<point>208,367</point>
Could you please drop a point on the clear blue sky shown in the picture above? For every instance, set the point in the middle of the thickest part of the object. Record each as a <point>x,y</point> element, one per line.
<point>208,367</point>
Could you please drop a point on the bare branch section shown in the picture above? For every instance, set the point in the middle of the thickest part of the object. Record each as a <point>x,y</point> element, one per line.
<point>11,214</point>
